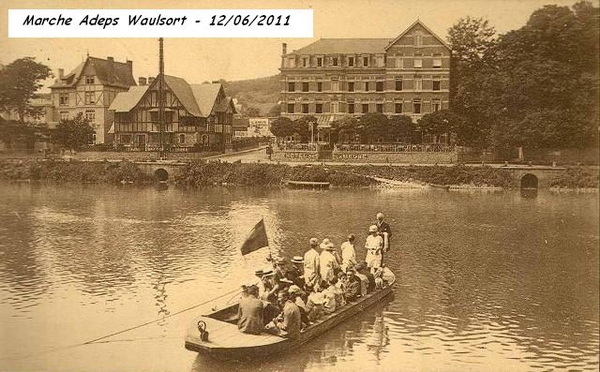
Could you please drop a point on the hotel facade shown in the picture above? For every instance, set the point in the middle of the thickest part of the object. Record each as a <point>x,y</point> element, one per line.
<point>333,78</point>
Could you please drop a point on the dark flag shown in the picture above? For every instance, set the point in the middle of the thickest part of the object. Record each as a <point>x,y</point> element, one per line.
<point>256,239</point>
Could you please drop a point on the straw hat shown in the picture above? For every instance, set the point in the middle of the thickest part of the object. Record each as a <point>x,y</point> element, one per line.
<point>373,228</point>
<point>297,259</point>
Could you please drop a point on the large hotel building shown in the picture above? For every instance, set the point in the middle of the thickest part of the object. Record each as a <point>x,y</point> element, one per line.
<point>332,78</point>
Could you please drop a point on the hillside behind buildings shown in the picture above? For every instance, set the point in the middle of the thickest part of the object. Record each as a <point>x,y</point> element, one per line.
<point>262,93</point>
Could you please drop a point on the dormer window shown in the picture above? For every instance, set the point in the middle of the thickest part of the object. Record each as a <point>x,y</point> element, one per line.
<point>365,61</point>
<point>89,80</point>
<point>351,61</point>
<point>305,62</point>
<point>319,61</point>
<point>334,61</point>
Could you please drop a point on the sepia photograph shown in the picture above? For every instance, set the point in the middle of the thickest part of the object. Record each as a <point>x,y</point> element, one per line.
<point>325,185</point>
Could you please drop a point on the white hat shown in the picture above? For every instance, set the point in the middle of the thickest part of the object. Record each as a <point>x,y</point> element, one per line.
<point>379,215</point>
<point>373,228</point>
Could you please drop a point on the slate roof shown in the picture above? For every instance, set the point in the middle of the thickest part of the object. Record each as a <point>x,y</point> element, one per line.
<point>344,46</point>
<point>198,99</point>
<point>206,96</point>
<point>108,73</point>
<point>126,101</point>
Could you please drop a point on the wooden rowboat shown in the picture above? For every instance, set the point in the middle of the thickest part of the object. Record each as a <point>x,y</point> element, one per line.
<point>307,184</point>
<point>226,342</point>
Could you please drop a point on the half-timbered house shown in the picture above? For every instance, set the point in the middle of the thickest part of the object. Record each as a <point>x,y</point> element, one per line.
<point>196,116</point>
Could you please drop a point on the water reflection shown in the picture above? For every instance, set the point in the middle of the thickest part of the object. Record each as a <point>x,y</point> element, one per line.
<point>483,278</point>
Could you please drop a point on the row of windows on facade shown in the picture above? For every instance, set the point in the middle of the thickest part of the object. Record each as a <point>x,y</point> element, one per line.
<point>219,128</point>
<point>380,61</point>
<point>89,98</point>
<point>170,117</point>
<point>436,105</point>
<point>90,115</point>
<point>155,138</point>
<point>367,86</point>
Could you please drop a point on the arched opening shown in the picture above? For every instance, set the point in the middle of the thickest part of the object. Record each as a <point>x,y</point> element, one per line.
<point>529,181</point>
<point>161,175</point>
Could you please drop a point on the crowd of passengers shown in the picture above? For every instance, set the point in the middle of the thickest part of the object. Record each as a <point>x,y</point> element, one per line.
<point>294,295</point>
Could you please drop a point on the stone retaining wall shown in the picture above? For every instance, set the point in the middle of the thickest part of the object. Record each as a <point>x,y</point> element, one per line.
<point>296,155</point>
<point>139,155</point>
<point>395,157</point>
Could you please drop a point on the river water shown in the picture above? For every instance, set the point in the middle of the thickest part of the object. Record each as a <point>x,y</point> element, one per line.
<point>486,281</point>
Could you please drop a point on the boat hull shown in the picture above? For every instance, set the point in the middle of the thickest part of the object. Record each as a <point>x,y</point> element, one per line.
<point>260,346</point>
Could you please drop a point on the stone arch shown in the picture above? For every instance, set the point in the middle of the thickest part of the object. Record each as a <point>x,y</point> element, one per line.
<point>161,174</point>
<point>529,181</point>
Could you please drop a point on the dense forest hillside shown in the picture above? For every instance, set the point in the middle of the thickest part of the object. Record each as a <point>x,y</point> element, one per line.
<point>261,93</point>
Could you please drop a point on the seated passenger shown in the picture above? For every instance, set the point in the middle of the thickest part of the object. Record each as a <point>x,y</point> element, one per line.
<point>250,312</point>
<point>364,281</point>
<point>340,299</point>
<point>296,273</point>
<point>289,322</point>
<point>352,286</point>
<point>314,304</point>
<point>269,293</point>
<point>379,283</point>
<point>330,304</point>
<point>296,294</point>
<point>362,269</point>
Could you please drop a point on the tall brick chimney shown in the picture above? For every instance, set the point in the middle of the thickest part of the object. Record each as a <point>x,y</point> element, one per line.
<point>141,80</point>
<point>61,73</point>
<point>283,49</point>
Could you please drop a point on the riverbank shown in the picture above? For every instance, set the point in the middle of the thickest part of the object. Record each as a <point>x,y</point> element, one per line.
<point>74,172</point>
<point>201,173</point>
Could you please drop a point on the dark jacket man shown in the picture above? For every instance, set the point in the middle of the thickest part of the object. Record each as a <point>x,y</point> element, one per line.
<point>250,313</point>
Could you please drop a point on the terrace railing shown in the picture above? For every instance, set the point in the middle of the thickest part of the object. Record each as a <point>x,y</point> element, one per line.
<point>434,147</point>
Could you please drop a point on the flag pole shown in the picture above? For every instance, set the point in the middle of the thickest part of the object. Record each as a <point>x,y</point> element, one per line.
<point>269,257</point>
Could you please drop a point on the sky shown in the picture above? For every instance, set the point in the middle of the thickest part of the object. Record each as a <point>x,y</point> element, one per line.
<point>198,60</point>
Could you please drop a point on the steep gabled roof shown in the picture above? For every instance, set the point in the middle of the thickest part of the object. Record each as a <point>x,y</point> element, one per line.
<point>417,22</point>
<point>344,46</point>
<point>206,96</point>
<point>198,99</point>
<point>126,101</point>
<point>184,94</point>
<point>108,73</point>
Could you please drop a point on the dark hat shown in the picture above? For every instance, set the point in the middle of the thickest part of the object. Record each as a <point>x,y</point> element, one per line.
<point>259,272</point>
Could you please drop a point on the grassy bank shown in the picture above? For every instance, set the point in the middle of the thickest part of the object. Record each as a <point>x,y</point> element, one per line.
<point>218,173</point>
<point>73,172</point>
<point>455,175</point>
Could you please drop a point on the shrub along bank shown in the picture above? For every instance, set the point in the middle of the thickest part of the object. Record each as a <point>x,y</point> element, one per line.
<point>74,172</point>
<point>200,173</point>
<point>576,178</point>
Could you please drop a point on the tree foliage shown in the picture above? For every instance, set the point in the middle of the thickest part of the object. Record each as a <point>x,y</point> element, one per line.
<point>282,127</point>
<point>19,82</point>
<point>534,87</point>
<point>73,133</point>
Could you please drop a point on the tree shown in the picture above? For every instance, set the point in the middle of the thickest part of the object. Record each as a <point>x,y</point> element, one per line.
<point>274,111</point>
<point>344,130</point>
<point>446,122</point>
<point>74,133</point>
<point>302,127</point>
<point>402,128</point>
<point>19,82</point>
<point>282,127</point>
<point>252,111</point>
<point>373,126</point>
<point>472,67</point>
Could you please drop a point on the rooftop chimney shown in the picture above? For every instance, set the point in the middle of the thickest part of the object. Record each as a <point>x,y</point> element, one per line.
<point>142,80</point>
<point>61,73</point>
<point>110,59</point>
<point>150,79</point>
<point>284,49</point>
<point>130,65</point>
